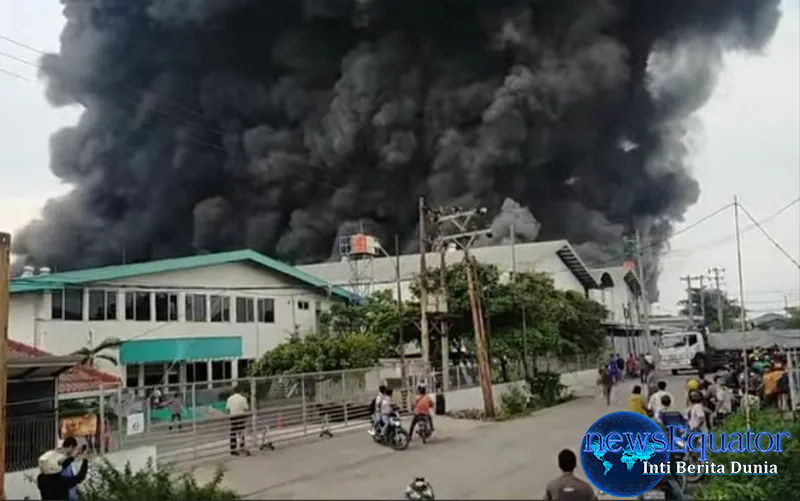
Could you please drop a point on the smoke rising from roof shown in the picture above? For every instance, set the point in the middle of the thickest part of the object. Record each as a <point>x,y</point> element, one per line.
<point>278,125</point>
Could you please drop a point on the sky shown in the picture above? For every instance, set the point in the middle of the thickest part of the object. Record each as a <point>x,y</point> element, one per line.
<point>749,147</point>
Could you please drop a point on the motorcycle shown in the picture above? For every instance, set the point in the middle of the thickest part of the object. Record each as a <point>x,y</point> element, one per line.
<point>424,430</point>
<point>671,486</point>
<point>395,436</point>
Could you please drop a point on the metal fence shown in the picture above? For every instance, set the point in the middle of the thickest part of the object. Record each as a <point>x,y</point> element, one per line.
<point>466,376</point>
<point>29,433</point>
<point>793,370</point>
<point>188,423</point>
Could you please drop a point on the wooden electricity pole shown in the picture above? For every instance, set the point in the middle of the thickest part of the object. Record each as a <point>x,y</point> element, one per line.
<point>481,348</point>
<point>5,264</point>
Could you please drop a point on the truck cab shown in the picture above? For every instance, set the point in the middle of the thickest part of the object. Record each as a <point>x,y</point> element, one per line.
<point>678,350</point>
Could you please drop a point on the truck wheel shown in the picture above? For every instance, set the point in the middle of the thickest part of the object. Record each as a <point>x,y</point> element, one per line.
<point>674,372</point>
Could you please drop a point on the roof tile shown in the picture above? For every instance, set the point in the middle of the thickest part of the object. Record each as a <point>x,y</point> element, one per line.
<point>78,379</point>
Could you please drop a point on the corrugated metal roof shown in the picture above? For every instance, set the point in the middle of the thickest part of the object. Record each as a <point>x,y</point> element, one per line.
<point>529,257</point>
<point>107,273</point>
<point>77,379</point>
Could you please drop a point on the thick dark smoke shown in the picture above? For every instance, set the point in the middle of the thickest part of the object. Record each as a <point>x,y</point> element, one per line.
<point>279,124</point>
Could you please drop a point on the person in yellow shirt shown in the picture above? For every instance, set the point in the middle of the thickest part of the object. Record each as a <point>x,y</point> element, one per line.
<point>636,402</point>
<point>771,379</point>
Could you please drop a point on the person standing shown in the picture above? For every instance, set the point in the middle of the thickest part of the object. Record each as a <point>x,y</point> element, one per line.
<point>654,402</point>
<point>636,402</point>
<point>54,481</point>
<point>176,410</point>
<point>568,487</point>
<point>237,407</point>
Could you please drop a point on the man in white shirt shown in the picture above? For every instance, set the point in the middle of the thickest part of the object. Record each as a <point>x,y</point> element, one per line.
<point>377,404</point>
<point>237,407</point>
<point>654,404</point>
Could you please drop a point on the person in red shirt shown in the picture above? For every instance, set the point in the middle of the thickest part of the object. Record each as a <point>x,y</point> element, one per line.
<point>423,405</point>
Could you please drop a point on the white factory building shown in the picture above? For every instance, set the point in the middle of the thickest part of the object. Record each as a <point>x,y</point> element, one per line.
<point>199,318</point>
<point>365,268</point>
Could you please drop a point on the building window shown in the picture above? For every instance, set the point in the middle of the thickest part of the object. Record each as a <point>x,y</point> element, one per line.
<point>196,310</point>
<point>102,305</point>
<point>220,307</point>
<point>166,307</point>
<point>196,372</point>
<point>245,311</point>
<point>303,305</point>
<point>132,376</point>
<point>137,306</point>
<point>66,304</point>
<point>244,366</point>
<point>221,370</point>
<point>266,310</point>
<point>153,375</point>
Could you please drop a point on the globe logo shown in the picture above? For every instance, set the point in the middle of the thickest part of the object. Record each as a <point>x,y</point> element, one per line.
<point>620,471</point>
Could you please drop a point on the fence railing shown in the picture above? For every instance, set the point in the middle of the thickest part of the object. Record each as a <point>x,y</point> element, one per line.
<point>189,423</point>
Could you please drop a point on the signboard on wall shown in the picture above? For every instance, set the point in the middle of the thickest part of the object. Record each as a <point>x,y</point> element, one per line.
<point>79,426</point>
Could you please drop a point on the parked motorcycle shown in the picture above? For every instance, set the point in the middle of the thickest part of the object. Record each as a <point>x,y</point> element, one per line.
<point>395,435</point>
<point>671,486</point>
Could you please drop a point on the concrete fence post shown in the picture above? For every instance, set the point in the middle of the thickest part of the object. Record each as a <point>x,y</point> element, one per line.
<point>344,397</point>
<point>303,404</point>
<point>253,412</point>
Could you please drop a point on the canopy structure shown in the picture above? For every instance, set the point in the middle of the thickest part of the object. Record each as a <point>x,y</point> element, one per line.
<point>26,369</point>
<point>736,340</point>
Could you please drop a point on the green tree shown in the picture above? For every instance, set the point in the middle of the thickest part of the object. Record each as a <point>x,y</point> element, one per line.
<point>711,298</point>
<point>92,354</point>
<point>794,317</point>
<point>321,352</point>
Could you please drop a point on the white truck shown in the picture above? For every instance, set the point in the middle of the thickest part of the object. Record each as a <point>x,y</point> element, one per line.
<point>689,350</point>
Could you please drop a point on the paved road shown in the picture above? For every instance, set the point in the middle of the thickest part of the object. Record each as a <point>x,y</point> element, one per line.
<point>467,460</point>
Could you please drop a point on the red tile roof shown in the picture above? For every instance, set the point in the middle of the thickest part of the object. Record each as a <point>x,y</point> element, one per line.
<point>78,379</point>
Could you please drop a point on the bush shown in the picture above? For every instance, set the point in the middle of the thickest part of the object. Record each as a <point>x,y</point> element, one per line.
<point>785,485</point>
<point>546,388</point>
<point>515,402</point>
<point>107,483</point>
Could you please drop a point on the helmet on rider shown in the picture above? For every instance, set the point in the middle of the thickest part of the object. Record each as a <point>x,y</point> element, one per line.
<point>695,397</point>
<point>419,489</point>
<point>693,384</point>
<point>421,389</point>
<point>382,389</point>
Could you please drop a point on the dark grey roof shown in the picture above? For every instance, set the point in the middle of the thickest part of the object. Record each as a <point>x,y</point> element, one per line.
<point>736,340</point>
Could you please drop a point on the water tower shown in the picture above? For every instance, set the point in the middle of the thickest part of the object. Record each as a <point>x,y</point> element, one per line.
<point>359,251</point>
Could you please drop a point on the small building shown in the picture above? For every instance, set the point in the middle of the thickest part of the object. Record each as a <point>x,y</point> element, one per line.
<point>78,382</point>
<point>770,321</point>
<point>191,319</point>
<point>32,407</point>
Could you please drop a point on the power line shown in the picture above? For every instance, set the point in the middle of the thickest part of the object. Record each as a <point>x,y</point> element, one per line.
<point>769,237</point>
<point>15,75</point>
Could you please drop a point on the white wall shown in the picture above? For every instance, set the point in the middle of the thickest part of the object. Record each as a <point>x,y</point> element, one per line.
<point>22,484</point>
<point>579,382</point>
<point>30,322</point>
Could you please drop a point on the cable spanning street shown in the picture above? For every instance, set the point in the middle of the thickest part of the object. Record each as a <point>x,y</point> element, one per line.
<point>466,460</point>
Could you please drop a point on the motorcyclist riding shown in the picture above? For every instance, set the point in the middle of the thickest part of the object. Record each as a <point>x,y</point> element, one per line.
<point>423,405</point>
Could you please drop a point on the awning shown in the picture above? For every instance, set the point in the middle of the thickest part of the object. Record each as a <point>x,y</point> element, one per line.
<point>20,369</point>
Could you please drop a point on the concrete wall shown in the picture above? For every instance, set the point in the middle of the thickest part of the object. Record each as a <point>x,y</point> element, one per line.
<point>581,383</point>
<point>22,484</point>
<point>30,321</point>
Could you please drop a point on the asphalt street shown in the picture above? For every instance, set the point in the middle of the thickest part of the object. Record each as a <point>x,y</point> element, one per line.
<point>466,459</point>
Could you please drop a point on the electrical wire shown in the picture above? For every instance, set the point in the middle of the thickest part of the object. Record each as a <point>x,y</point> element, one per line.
<point>768,236</point>
<point>15,75</point>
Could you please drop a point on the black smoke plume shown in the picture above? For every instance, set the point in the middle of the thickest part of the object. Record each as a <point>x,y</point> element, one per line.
<point>279,124</point>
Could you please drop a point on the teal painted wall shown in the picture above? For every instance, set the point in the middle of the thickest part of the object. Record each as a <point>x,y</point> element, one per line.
<point>187,348</point>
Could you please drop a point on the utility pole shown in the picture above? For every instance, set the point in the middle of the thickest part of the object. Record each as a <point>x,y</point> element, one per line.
<point>423,293</point>
<point>5,264</point>
<point>716,276</point>
<point>689,297</point>
<point>741,305</point>
<point>523,312</point>
<point>702,279</point>
<point>402,347</point>
<point>639,268</point>
<point>445,326</point>
<point>464,221</point>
